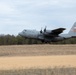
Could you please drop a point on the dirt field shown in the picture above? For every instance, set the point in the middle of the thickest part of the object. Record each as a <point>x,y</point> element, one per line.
<point>7,63</point>
<point>37,50</point>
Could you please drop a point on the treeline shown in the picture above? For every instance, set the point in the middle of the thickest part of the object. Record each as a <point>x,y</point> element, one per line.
<point>18,40</point>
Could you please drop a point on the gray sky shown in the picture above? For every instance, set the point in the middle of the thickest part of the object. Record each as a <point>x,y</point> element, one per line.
<point>16,15</point>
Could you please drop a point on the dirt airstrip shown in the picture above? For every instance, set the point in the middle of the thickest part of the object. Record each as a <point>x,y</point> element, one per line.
<point>28,56</point>
<point>7,63</point>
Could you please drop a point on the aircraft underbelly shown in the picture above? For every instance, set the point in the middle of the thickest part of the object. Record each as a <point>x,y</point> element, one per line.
<point>50,39</point>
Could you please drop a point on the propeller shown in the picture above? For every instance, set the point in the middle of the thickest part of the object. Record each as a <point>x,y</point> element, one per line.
<point>41,30</point>
<point>45,29</point>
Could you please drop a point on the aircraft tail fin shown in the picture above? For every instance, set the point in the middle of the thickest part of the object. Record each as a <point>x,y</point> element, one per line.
<point>72,32</point>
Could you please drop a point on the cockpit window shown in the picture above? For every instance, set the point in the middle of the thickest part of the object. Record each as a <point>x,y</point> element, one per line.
<point>25,30</point>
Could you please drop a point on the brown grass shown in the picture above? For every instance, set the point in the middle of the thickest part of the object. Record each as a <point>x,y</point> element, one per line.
<point>37,71</point>
<point>37,50</point>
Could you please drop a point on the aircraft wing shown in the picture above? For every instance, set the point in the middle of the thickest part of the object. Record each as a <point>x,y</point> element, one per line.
<point>54,32</point>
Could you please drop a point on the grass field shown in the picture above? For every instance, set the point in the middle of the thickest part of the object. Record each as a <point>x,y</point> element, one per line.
<point>37,50</point>
<point>37,71</point>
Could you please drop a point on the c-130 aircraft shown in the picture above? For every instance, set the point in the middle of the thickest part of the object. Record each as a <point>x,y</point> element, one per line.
<point>49,35</point>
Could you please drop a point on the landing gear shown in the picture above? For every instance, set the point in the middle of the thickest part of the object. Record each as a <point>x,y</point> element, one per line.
<point>46,42</point>
<point>43,41</point>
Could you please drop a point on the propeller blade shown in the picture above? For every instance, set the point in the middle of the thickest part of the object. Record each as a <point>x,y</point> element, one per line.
<point>41,30</point>
<point>45,29</point>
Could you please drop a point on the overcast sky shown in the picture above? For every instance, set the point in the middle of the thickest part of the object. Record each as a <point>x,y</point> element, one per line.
<point>16,15</point>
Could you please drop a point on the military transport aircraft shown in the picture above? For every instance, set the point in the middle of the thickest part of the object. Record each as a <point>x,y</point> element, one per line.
<point>49,35</point>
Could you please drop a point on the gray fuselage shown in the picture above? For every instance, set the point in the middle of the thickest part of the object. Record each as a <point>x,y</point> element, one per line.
<point>37,35</point>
